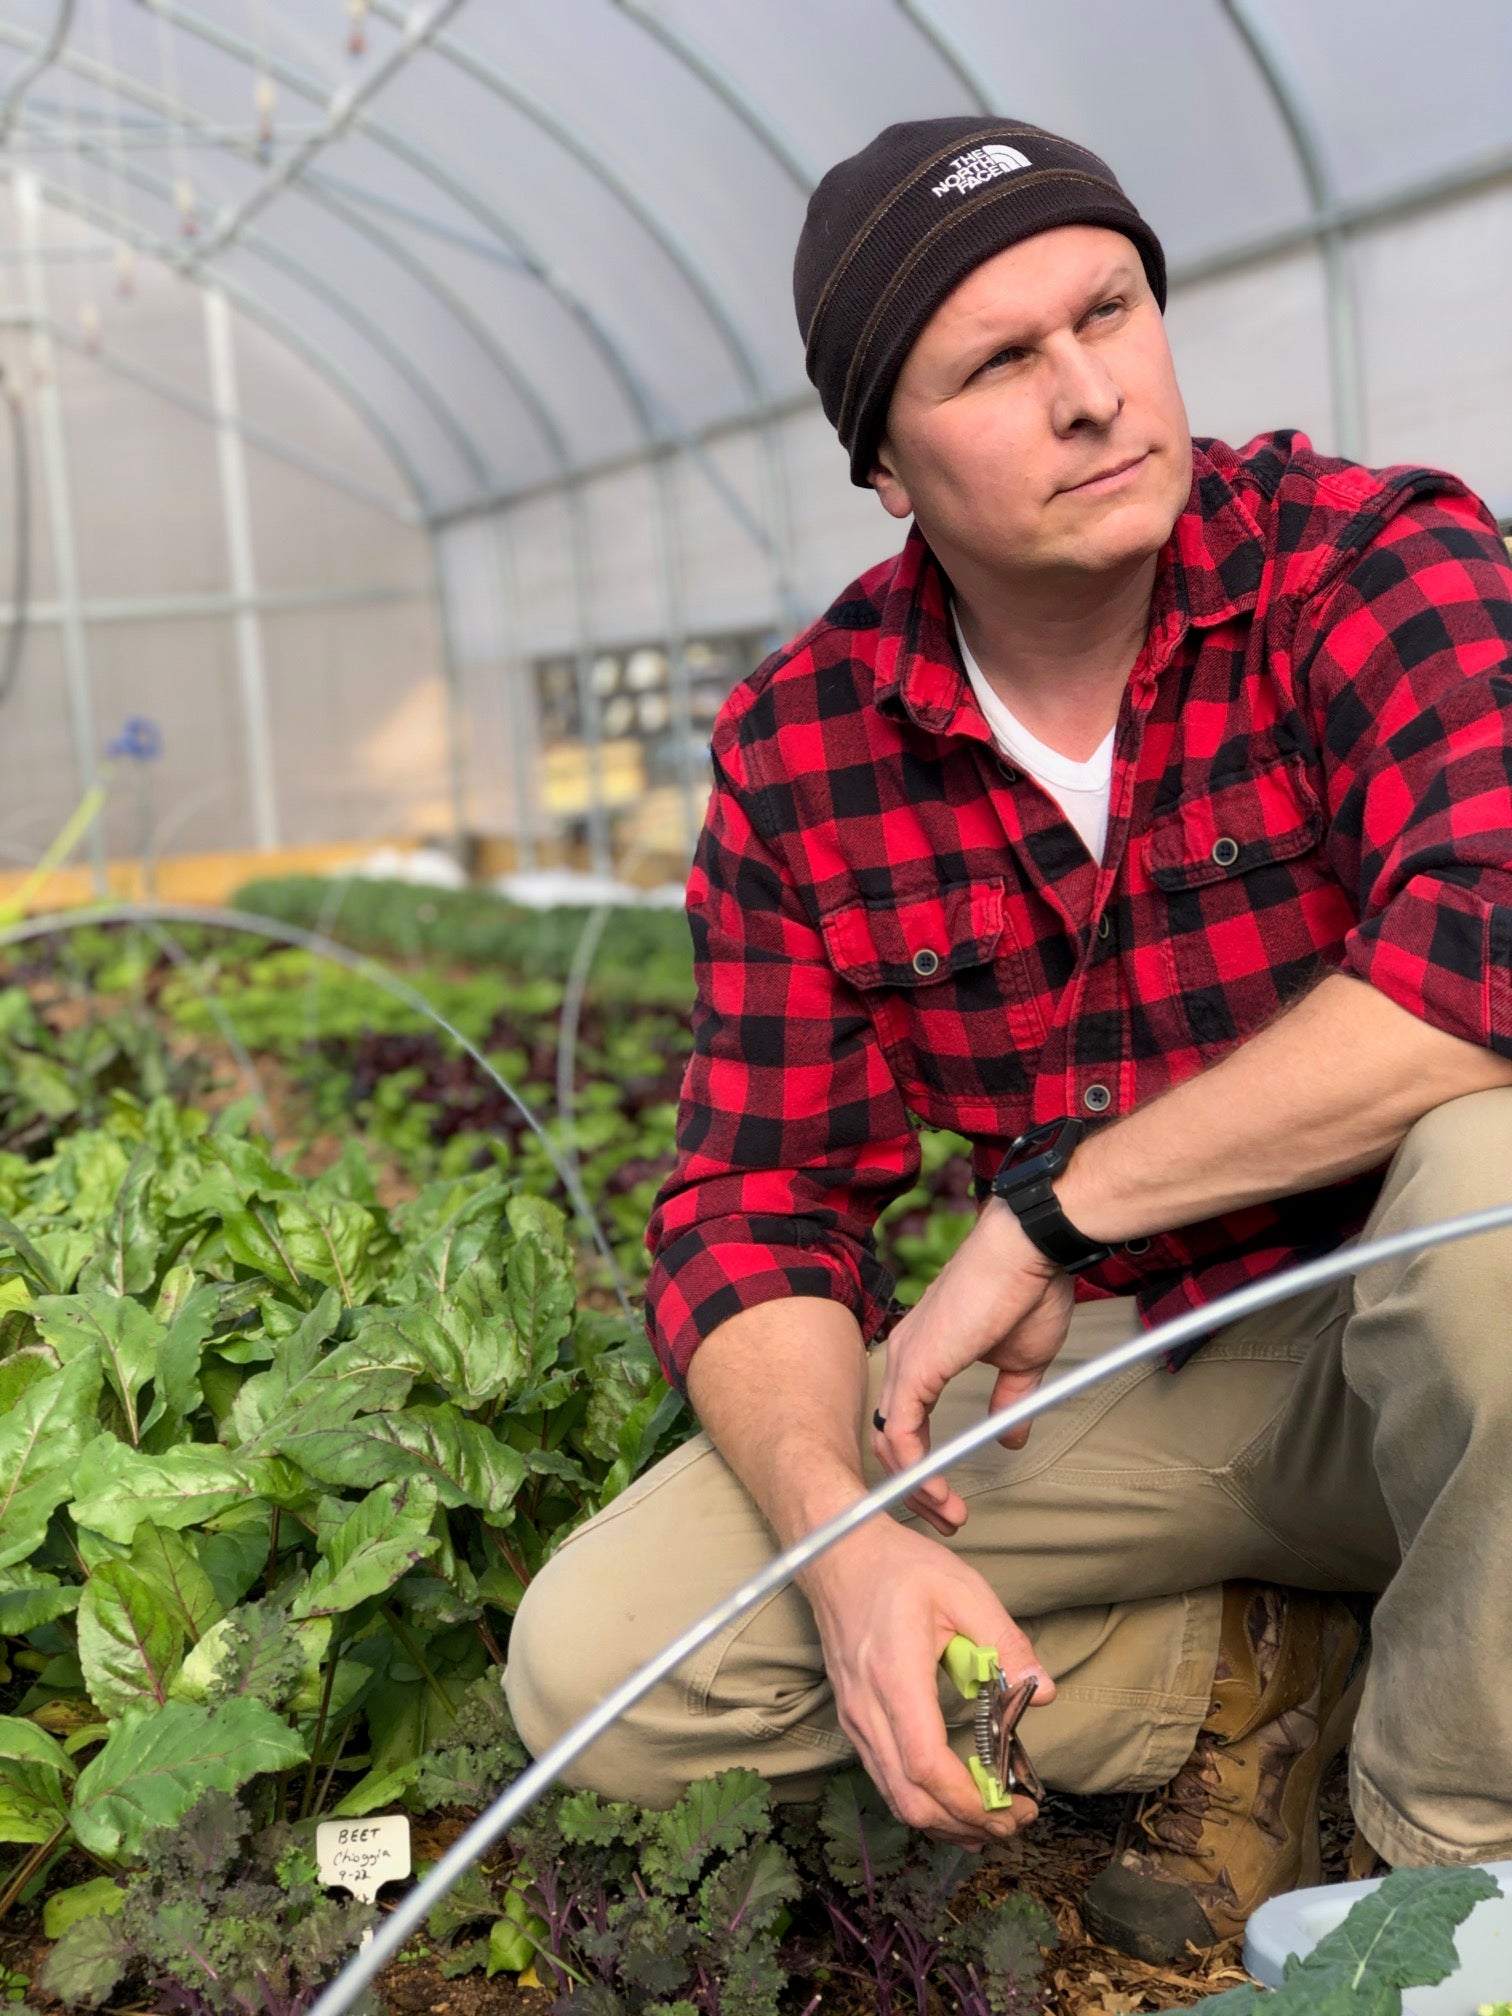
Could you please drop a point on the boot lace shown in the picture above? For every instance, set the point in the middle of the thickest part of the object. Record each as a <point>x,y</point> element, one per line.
<point>1176,1816</point>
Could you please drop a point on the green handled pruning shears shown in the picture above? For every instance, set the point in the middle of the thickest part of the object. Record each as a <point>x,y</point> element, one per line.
<point>1001,1763</point>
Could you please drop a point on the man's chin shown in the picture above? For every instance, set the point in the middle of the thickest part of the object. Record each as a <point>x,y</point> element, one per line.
<point>1121,535</point>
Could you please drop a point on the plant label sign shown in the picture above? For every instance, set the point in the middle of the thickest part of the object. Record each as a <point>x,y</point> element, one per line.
<point>362,1855</point>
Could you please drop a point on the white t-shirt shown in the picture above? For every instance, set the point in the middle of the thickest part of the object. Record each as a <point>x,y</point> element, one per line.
<point>1082,790</point>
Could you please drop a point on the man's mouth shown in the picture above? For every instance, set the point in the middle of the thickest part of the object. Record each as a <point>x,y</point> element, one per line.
<point>1107,479</point>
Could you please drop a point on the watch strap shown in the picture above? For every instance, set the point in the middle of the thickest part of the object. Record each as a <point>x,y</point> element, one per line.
<point>1029,1193</point>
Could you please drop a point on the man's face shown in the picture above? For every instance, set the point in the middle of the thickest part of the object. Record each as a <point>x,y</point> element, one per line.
<point>1047,366</point>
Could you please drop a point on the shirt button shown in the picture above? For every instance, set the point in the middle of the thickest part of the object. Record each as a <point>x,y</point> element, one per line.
<point>925,963</point>
<point>1137,1246</point>
<point>1225,852</point>
<point>1097,1098</point>
<point>1103,926</point>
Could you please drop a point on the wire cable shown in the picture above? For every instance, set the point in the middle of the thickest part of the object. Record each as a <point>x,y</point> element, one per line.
<point>528,1787</point>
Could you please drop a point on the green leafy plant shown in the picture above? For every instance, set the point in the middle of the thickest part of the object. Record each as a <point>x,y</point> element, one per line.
<point>219,1921</point>
<point>275,1466</point>
<point>644,955</point>
<point>715,1904</point>
<point>651,1911</point>
<point>1399,1935</point>
<point>893,1905</point>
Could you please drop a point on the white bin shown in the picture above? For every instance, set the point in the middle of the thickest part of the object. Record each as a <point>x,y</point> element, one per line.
<point>1296,1922</point>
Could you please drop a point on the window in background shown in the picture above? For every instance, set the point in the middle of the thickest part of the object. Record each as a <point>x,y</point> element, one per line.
<point>640,768</point>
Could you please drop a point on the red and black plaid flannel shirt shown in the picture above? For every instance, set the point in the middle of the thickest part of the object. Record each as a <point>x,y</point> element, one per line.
<point>1312,771</point>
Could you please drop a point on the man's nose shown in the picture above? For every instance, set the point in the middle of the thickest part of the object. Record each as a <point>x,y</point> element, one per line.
<point>1085,391</point>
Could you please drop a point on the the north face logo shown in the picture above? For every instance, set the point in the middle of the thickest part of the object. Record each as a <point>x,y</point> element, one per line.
<point>982,164</point>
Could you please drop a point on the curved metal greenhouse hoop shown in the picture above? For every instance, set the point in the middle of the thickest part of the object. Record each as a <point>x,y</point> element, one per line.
<point>583,955</point>
<point>355,962</point>
<point>179,957</point>
<point>528,1787</point>
<point>570,1018</point>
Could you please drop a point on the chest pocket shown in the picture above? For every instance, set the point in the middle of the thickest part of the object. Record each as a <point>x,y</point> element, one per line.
<point>1258,820</point>
<point>1250,908</point>
<point>950,995</point>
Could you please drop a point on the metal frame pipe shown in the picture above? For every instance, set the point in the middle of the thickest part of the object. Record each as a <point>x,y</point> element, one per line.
<point>251,304</point>
<point>236,511</point>
<point>205,409</point>
<point>1343,329</point>
<point>456,741</point>
<point>503,360</point>
<point>342,204</point>
<point>528,1787</point>
<point>27,194</point>
<point>519,708</point>
<point>101,609</point>
<point>775,544</point>
<point>703,66</point>
<point>604,339</point>
<point>953,52</point>
<point>331,296</point>
<point>43,57</point>
<point>345,108</point>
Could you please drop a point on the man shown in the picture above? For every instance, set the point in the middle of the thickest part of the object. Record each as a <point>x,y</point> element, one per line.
<point>1156,797</point>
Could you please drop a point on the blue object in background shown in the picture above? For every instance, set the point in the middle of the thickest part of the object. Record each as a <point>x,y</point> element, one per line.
<point>141,739</point>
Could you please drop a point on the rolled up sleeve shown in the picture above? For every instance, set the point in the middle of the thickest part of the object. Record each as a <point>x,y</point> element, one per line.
<point>1407,667</point>
<point>792,1134</point>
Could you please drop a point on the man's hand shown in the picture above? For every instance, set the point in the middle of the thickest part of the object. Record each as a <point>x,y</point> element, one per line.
<point>888,1601</point>
<point>999,1300</point>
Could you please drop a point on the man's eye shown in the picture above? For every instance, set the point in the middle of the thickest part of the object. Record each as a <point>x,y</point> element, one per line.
<point>1002,357</point>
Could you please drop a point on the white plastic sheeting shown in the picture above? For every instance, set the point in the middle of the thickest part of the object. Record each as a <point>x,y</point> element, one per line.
<point>518,272</point>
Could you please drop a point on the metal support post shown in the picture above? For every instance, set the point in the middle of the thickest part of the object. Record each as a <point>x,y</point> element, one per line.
<point>236,508</point>
<point>456,741</point>
<point>515,671</point>
<point>28,198</point>
<point>670,557</point>
<point>588,699</point>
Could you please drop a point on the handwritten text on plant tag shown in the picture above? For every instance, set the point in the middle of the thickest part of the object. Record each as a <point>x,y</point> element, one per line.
<point>360,1855</point>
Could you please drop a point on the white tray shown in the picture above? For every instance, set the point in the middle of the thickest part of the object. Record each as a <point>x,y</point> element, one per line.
<point>1296,1922</point>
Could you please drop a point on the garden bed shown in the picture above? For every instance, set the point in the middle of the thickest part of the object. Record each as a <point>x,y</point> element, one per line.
<point>304,1371</point>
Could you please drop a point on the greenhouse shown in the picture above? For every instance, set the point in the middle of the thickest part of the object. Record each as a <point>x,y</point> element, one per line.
<point>506,869</point>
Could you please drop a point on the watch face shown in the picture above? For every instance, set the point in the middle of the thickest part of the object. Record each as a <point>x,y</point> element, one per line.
<point>1031,1146</point>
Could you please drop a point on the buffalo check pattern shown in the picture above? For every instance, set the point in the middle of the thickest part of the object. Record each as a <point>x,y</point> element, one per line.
<point>893,927</point>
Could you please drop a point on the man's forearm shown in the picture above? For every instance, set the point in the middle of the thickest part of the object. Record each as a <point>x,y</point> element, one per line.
<point>780,1389</point>
<point>1326,1091</point>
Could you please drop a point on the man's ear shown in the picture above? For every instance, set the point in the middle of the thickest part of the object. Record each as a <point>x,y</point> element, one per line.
<point>888,484</point>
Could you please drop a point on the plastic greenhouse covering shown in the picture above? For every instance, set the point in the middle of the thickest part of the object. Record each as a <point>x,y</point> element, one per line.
<point>418,433</point>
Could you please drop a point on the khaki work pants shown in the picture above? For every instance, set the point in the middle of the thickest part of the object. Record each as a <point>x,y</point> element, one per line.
<point>1357,1438</point>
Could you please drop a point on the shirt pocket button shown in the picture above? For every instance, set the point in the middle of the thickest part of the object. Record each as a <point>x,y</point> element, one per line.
<point>926,963</point>
<point>1225,852</point>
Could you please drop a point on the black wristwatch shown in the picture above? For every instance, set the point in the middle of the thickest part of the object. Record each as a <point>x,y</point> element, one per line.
<point>1024,1183</point>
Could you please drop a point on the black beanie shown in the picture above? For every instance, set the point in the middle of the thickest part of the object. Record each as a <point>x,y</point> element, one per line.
<point>893,230</point>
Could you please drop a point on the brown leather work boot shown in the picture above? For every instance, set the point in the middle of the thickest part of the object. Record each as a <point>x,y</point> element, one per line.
<point>1239,1821</point>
